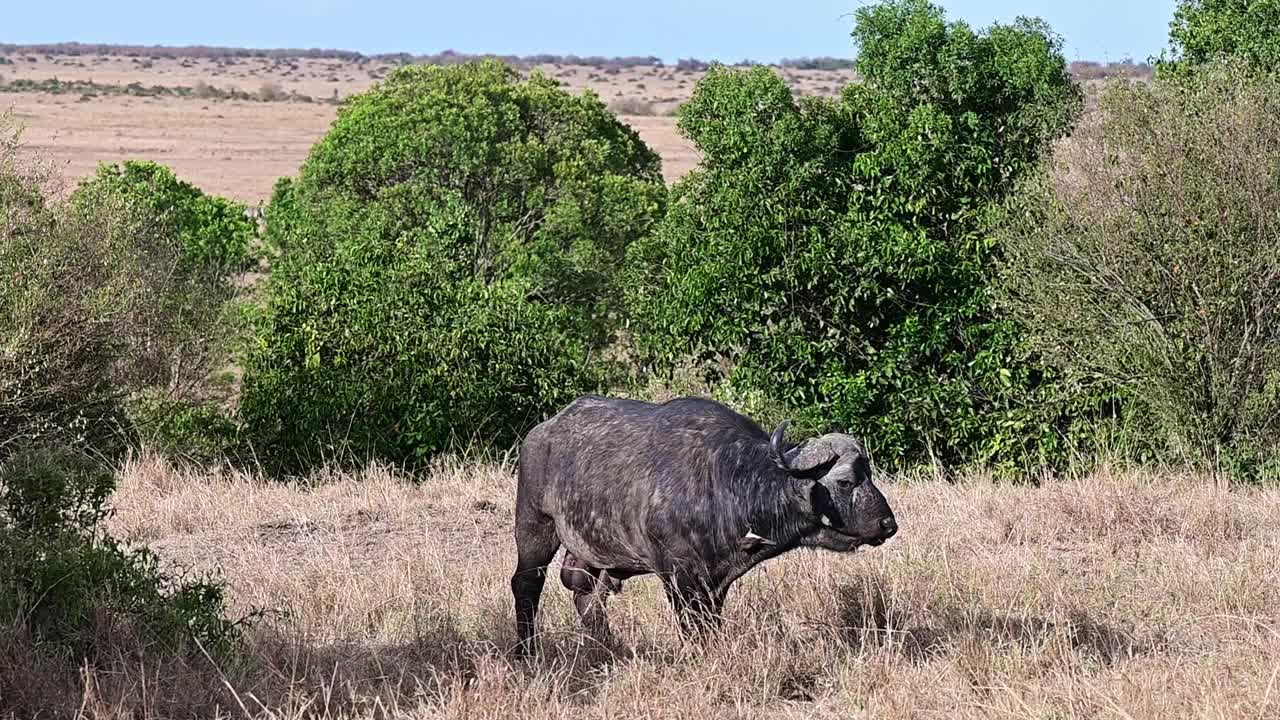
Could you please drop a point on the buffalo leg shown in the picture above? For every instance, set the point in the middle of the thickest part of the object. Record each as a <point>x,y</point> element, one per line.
<point>591,587</point>
<point>697,607</point>
<point>536,545</point>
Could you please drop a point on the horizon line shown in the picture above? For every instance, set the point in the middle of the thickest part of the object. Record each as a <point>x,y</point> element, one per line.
<point>76,47</point>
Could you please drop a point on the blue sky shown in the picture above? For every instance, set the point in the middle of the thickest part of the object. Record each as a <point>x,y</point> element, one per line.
<point>728,30</point>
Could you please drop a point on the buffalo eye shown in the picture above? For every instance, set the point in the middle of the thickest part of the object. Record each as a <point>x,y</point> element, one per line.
<point>846,483</point>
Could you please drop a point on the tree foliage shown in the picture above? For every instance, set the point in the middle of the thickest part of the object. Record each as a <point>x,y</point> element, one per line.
<point>831,252</point>
<point>102,299</point>
<point>183,252</point>
<point>447,265</point>
<point>1205,31</point>
<point>87,290</point>
<point>1149,257</point>
<point>213,233</point>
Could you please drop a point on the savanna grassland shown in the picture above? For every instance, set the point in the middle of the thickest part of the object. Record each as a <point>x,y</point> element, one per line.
<point>1119,594</point>
<point>1092,537</point>
<point>238,146</point>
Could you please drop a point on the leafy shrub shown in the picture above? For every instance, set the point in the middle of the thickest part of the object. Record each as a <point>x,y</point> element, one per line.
<point>184,429</point>
<point>1149,258</point>
<point>199,244</point>
<point>85,289</point>
<point>446,266</point>
<point>279,214</point>
<point>94,307</point>
<point>1204,31</point>
<point>213,232</point>
<point>830,252</point>
<point>66,578</point>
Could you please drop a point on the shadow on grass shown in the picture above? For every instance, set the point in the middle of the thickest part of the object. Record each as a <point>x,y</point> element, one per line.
<point>283,673</point>
<point>873,617</point>
<point>280,673</point>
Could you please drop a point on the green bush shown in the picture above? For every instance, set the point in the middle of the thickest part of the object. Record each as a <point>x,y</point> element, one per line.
<point>85,299</point>
<point>1148,258</point>
<point>185,430</point>
<point>830,253</point>
<point>195,245</point>
<point>1204,31</point>
<point>100,302</point>
<point>279,212</point>
<point>213,232</point>
<point>67,580</point>
<point>445,266</point>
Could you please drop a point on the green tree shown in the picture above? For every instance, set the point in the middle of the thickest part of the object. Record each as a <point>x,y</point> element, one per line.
<point>446,265</point>
<point>831,254</point>
<point>100,302</point>
<point>1203,31</point>
<point>196,246</point>
<point>85,290</point>
<point>212,232</point>
<point>1148,257</point>
<point>202,243</point>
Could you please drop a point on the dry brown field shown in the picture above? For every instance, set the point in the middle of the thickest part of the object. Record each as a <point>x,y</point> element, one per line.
<point>239,148</point>
<point>1116,595</point>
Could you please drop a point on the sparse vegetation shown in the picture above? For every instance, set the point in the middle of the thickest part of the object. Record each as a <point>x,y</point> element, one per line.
<point>1084,70</point>
<point>222,54</point>
<point>1149,259</point>
<point>817,63</point>
<point>205,91</point>
<point>632,105</point>
<point>270,92</point>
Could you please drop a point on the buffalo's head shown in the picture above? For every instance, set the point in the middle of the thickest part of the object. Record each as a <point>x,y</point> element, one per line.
<point>832,472</point>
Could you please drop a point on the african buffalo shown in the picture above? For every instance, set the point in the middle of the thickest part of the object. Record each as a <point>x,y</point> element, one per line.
<point>687,489</point>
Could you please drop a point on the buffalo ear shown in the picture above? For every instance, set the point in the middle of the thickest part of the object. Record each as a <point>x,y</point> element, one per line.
<point>814,472</point>
<point>814,459</point>
<point>775,446</point>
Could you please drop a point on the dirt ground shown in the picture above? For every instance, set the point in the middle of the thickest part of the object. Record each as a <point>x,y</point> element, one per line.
<point>238,148</point>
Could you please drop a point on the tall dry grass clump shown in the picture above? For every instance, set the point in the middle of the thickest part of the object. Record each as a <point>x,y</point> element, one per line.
<point>1116,595</point>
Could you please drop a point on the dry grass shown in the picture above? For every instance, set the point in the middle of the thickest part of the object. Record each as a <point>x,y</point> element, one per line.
<point>1127,595</point>
<point>240,148</point>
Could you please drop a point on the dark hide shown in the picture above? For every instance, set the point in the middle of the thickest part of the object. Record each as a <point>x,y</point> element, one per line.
<point>688,489</point>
